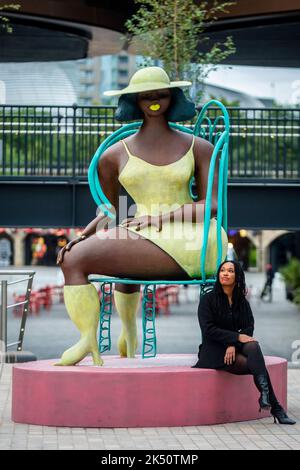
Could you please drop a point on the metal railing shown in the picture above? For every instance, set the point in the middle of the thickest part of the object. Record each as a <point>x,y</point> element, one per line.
<point>59,141</point>
<point>4,306</point>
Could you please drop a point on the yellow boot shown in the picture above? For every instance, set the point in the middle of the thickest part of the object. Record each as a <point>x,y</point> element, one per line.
<point>127,307</point>
<point>83,306</point>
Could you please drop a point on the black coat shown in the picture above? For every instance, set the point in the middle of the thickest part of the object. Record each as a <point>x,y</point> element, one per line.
<point>221,326</point>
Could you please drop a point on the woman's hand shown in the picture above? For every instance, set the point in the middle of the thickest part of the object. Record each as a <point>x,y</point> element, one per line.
<point>67,247</point>
<point>229,357</point>
<point>246,339</point>
<point>143,221</point>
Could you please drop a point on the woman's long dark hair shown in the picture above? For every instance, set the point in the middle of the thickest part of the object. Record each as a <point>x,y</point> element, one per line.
<point>239,291</point>
<point>239,302</point>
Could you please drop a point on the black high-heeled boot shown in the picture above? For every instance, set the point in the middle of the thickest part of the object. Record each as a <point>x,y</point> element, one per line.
<point>277,411</point>
<point>280,415</point>
<point>261,382</point>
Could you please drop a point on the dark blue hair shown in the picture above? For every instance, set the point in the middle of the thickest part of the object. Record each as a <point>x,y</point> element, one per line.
<point>180,109</point>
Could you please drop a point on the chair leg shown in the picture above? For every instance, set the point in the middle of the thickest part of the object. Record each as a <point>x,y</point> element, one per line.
<point>148,314</point>
<point>105,316</point>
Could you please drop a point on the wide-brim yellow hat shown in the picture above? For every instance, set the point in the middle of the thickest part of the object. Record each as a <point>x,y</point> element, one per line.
<point>146,79</point>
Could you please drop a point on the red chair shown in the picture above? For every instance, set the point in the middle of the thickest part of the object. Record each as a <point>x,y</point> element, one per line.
<point>173,294</point>
<point>58,292</point>
<point>18,309</point>
<point>161,301</point>
<point>34,306</point>
<point>45,297</point>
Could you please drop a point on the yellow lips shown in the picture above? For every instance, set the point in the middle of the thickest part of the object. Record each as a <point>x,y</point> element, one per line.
<point>154,107</point>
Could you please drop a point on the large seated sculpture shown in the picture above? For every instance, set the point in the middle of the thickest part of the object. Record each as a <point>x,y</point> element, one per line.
<point>173,235</point>
<point>164,390</point>
<point>216,131</point>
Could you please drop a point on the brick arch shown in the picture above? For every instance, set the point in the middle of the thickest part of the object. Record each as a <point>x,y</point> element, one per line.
<point>273,236</point>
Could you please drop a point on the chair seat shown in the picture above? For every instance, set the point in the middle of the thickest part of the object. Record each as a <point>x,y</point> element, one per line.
<point>147,282</point>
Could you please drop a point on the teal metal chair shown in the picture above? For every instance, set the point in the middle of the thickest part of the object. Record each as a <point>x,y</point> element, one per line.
<point>215,130</point>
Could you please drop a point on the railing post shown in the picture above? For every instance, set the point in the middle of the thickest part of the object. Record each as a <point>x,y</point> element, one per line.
<point>3,316</point>
<point>8,356</point>
<point>25,313</point>
<point>74,141</point>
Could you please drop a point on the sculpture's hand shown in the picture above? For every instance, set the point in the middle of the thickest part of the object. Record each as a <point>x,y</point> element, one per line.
<point>67,247</point>
<point>143,221</point>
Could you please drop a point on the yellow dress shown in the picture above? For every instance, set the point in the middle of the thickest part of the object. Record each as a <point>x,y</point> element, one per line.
<point>164,188</point>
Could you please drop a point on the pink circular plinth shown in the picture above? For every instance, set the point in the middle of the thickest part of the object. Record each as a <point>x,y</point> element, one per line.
<point>162,391</point>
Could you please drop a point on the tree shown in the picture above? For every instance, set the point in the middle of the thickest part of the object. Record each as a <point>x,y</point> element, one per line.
<point>169,31</point>
<point>291,275</point>
<point>4,21</point>
<point>225,101</point>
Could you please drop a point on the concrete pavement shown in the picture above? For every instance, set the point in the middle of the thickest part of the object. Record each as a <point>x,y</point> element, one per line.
<point>251,435</point>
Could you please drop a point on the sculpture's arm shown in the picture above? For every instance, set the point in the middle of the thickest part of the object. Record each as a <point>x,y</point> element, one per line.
<point>108,172</point>
<point>108,178</point>
<point>194,212</point>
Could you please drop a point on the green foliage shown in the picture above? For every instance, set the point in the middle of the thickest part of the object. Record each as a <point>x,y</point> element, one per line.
<point>253,257</point>
<point>4,21</point>
<point>291,275</point>
<point>169,31</point>
<point>225,101</point>
<point>297,296</point>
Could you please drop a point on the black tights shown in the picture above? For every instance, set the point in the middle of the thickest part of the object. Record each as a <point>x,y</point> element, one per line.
<point>249,359</point>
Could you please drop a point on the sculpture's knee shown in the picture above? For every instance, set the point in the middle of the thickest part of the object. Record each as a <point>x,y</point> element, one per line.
<point>70,262</point>
<point>127,288</point>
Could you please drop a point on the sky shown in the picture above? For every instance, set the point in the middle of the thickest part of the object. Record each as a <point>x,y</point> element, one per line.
<point>280,83</point>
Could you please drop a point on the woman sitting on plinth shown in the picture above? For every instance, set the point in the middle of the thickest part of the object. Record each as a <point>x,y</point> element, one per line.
<point>164,238</point>
<point>227,326</point>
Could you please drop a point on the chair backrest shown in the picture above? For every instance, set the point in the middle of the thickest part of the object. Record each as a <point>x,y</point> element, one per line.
<point>217,132</point>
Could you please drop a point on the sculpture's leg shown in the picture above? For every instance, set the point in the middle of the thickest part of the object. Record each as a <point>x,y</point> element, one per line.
<point>127,305</point>
<point>112,255</point>
<point>83,306</point>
